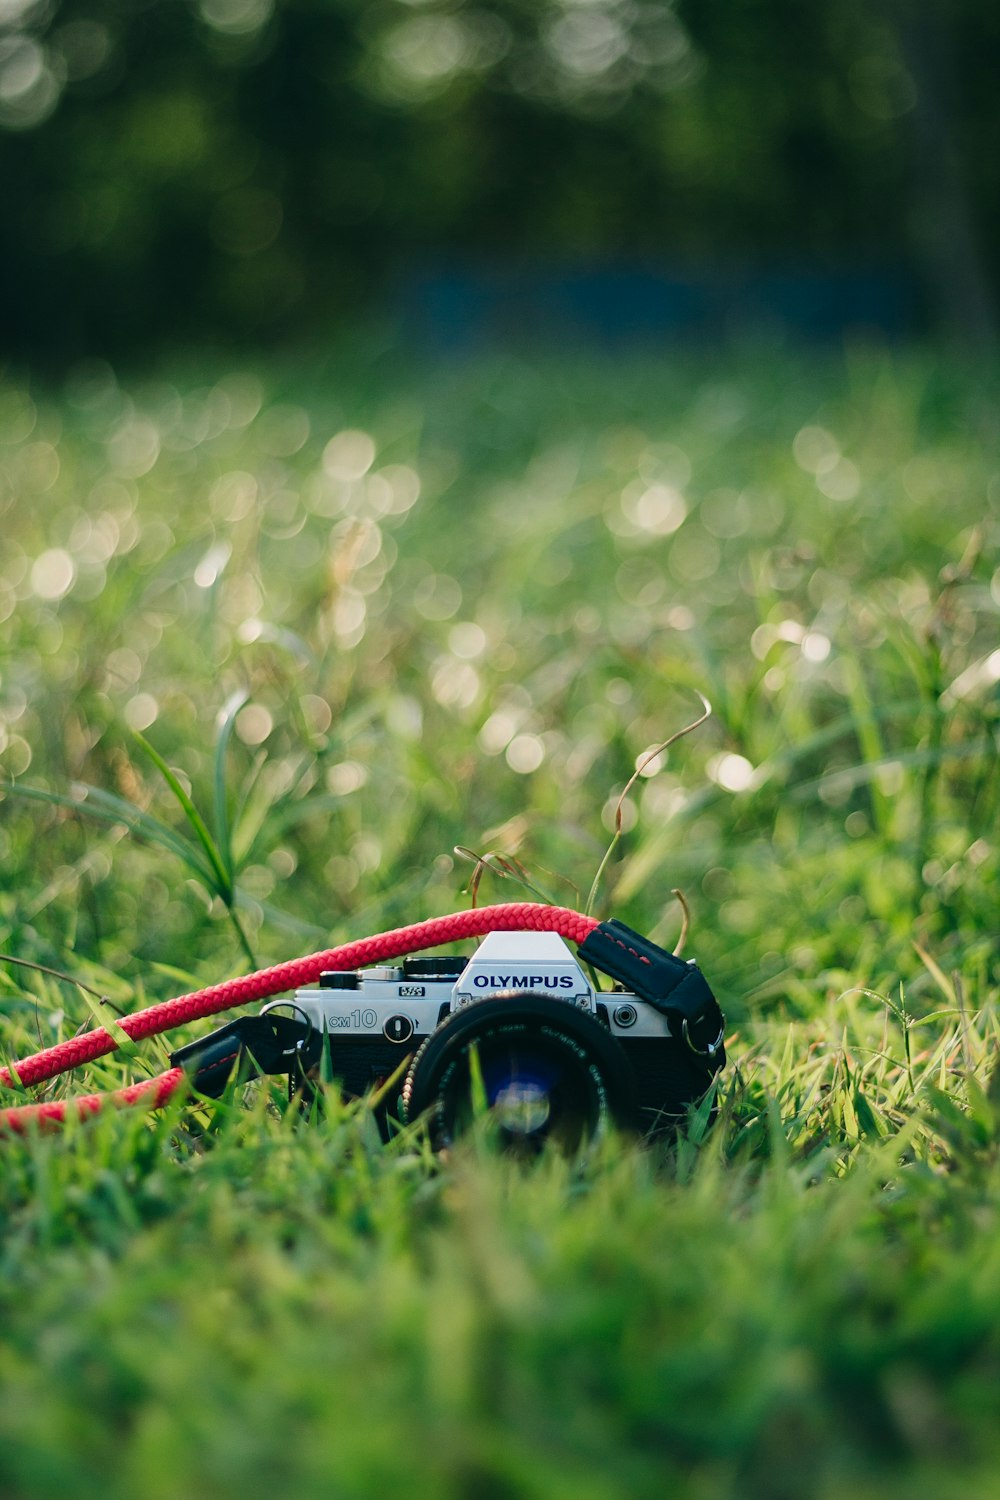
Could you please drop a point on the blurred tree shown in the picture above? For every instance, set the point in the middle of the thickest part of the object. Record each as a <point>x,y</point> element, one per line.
<point>947,236</point>
<point>245,169</point>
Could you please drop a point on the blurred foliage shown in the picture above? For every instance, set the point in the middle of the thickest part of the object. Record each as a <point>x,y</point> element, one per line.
<point>366,614</point>
<point>236,1307</point>
<point>244,169</point>
<point>360,613</point>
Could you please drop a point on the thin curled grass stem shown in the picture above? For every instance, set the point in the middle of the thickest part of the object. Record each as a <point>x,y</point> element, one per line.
<point>650,755</point>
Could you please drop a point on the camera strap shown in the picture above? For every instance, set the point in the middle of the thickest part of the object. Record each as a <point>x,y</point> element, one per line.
<point>268,1043</point>
<point>271,1042</point>
<point>672,985</point>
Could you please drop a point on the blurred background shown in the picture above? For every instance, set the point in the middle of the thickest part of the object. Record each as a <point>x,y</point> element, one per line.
<point>407,407</point>
<point>228,173</point>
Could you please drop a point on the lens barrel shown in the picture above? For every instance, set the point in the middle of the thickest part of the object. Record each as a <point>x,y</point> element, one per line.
<point>544,1070</point>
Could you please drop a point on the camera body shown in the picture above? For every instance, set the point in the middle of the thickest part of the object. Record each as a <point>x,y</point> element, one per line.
<point>551,1040</point>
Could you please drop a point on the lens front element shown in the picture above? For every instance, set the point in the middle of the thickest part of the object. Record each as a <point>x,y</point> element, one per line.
<point>522,1107</point>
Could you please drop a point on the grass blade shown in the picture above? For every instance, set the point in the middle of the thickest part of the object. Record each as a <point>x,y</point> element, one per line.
<point>227,723</point>
<point>222,882</point>
<point>111,809</point>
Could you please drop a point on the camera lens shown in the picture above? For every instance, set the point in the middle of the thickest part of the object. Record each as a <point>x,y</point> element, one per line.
<point>542,1069</point>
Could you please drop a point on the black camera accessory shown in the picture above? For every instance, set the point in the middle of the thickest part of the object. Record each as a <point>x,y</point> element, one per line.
<point>268,1043</point>
<point>673,985</point>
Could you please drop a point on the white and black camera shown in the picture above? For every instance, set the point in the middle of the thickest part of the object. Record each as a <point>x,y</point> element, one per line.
<point>516,1030</point>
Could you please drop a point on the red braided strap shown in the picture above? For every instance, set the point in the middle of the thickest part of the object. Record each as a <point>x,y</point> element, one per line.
<point>152,1092</point>
<point>515,917</point>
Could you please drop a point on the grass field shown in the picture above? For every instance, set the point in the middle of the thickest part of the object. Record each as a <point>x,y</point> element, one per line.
<point>368,613</point>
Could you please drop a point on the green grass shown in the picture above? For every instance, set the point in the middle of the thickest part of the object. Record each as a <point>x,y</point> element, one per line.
<point>252,698</point>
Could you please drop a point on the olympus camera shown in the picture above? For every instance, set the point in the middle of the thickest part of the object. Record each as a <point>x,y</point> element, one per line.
<point>518,1030</point>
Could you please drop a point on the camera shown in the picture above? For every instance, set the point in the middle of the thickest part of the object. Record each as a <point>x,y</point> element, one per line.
<point>519,1031</point>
